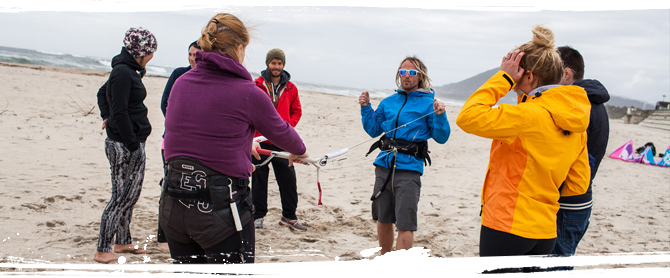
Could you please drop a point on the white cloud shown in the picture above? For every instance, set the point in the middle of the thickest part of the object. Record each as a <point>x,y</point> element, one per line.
<point>639,79</point>
<point>472,5</point>
<point>323,41</point>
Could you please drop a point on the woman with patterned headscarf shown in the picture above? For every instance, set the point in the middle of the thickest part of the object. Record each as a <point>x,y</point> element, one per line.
<point>121,103</point>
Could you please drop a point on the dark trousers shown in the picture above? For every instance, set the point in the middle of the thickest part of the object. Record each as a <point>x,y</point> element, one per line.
<point>288,189</point>
<point>160,236</point>
<point>497,243</point>
<point>571,227</point>
<point>224,252</point>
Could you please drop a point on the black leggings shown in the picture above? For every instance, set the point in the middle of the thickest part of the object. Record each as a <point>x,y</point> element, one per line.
<point>224,252</point>
<point>497,243</point>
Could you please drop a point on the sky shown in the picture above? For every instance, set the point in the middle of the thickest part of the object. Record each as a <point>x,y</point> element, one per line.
<point>360,44</point>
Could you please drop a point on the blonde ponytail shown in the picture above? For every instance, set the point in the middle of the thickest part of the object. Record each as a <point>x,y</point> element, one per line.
<point>541,57</point>
<point>224,33</point>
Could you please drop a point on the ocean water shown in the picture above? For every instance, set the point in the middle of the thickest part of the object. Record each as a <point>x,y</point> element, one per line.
<point>374,93</point>
<point>335,90</point>
<point>45,58</point>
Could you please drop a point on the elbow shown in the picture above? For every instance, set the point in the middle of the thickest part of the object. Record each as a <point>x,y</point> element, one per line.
<point>461,119</point>
<point>462,123</point>
<point>466,121</point>
<point>446,138</point>
<point>442,136</point>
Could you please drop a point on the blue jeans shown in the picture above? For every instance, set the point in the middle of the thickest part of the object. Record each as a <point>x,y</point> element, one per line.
<point>571,226</point>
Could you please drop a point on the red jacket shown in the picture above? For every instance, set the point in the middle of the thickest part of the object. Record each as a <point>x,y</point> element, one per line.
<point>288,105</point>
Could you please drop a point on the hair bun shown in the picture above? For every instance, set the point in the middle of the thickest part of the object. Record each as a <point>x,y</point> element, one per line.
<point>543,36</point>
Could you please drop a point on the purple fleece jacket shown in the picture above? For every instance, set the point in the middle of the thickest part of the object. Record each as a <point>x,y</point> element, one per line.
<point>213,112</point>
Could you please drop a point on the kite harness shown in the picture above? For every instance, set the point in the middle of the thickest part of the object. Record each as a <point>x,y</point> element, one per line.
<point>417,149</point>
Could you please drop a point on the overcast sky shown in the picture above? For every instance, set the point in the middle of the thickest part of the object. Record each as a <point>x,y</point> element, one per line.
<point>360,47</point>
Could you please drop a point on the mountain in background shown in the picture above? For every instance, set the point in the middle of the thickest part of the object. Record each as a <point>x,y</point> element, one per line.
<point>451,94</point>
<point>461,91</point>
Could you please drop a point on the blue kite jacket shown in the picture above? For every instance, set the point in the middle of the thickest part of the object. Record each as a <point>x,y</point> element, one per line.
<point>399,109</point>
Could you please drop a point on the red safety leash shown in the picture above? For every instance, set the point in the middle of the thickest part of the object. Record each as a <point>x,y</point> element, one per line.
<point>318,184</point>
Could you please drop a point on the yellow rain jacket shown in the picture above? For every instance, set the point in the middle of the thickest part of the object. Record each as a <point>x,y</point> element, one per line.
<point>537,145</point>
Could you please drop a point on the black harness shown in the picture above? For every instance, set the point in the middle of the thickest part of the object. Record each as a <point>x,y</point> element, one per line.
<point>417,149</point>
<point>188,179</point>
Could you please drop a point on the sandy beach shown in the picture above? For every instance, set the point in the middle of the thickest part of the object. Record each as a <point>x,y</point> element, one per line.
<point>55,181</point>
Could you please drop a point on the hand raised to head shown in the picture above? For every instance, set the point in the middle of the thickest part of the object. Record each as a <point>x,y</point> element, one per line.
<point>510,65</point>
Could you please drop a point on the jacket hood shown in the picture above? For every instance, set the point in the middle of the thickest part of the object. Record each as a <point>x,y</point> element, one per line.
<point>125,58</point>
<point>417,92</point>
<point>594,90</point>
<point>568,105</point>
<point>285,77</point>
<point>217,61</point>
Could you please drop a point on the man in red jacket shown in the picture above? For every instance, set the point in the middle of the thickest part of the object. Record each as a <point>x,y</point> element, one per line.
<point>274,81</point>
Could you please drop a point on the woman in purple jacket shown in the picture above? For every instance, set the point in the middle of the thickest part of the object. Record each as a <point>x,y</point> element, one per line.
<point>213,112</point>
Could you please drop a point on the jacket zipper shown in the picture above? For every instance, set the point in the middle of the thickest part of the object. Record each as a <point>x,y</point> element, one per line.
<point>271,91</point>
<point>398,117</point>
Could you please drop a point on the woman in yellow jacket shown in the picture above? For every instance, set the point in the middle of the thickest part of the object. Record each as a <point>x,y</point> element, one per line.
<point>539,146</point>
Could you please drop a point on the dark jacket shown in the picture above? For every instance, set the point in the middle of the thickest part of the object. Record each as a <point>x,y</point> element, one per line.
<point>597,137</point>
<point>121,101</point>
<point>176,73</point>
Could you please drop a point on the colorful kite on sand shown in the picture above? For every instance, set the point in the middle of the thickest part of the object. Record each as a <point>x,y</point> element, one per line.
<point>627,153</point>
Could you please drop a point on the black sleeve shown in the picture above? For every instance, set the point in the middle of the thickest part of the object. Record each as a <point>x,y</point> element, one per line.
<point>103,105</point>
<point>597,135</point>
<point>120,83</point>
<point>166,91</point>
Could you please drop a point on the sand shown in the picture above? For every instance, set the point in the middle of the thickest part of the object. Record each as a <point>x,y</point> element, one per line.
<point>55,181</point>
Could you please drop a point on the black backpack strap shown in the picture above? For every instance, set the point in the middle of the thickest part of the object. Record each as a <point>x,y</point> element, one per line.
<point>388,178</point>
<point>375,145</point>
<point>426,157</point>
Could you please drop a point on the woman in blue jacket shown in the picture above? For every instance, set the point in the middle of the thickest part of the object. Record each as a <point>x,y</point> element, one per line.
<point>406,119</point>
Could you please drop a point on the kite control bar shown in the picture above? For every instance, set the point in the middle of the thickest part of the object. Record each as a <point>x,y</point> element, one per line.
<point>304,160</point>
<point>318,163</point>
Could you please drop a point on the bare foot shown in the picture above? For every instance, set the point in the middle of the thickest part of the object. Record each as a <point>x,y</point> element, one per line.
<point>164,245</point>
<point>128,248</point>
<point>106,258</point>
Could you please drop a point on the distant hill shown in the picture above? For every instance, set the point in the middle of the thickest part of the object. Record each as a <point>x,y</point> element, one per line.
<point>627,102</point>
<point>460,91</point>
